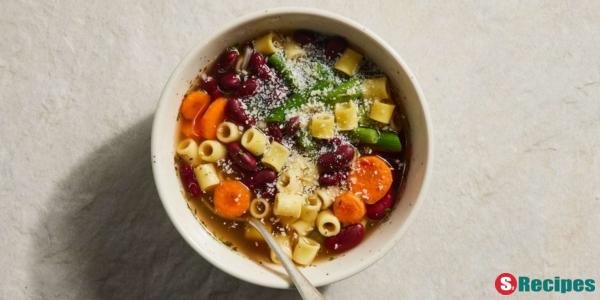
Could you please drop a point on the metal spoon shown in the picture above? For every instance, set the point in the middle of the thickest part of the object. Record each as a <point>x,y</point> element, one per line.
<point>306,289</point>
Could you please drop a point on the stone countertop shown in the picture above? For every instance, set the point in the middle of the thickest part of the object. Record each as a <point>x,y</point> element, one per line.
<point>514,95</point>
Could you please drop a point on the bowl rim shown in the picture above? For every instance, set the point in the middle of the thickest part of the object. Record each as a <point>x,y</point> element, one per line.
<point>319,13</point>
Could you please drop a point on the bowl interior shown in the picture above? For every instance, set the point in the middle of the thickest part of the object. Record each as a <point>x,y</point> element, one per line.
<point>163,141</point>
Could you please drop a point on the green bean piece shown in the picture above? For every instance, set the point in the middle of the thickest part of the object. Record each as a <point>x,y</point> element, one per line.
<point>366,135</point>
<point>348,90</point>
<point>277,61</point>
<point>296,100</point>
<point>388,142</point>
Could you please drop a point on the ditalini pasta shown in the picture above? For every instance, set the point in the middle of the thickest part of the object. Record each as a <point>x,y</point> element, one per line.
<point>346,116</point>
<point>188,150</point>
<point>285,244</point>
<point>255,141</point>
<point>297,130</point>
<point>328,224</point>
<point>305,251</point>
<point>228,132</point>
<point>322,126</point>
<point>211,151</point>
<point>302,227</point>
<point>326,196</point>
<point>266,44</point>
<point>376,88</point>
<point>275,156</point>
<point>310,209</point>
<point>381,111</point>
<point>349,62</point>
<point>252,234</point>
<point>259,208</point>
<point>207,176</point>
<point>288,205</point>
<point>293,50</point>
<point>288,182</point>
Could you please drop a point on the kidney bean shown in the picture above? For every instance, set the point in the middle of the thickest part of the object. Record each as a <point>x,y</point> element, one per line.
<point>334,46</point>
<point>275,131</point>
<point>257,60</point>
<point>346,152</point>
<point>188,179</point>
<point>336,141</point>
<point>241,157</point>
<point>348,238</point>
<point>304,37</point>
<point>210,85</point>
<point>261,178</point>
<point>235,112</point>
<point>263,72</point>
<point>247,88</point>
<point>340,158</point>
<point>332,178</point>
<point>227,60</point>
<point>230,82</point>
<point>292,126</point>
<point>379,209</point>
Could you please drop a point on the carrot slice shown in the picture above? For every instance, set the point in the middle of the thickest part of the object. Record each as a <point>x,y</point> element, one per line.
<point>193,104</point>
<point>371,178</point>
<point>231,199</point>
<point>349,209</point>
<point>187,129</point>
<point>214,115</point>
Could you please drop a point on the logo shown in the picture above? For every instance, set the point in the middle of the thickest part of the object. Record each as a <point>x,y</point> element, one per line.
<point>506,284</point>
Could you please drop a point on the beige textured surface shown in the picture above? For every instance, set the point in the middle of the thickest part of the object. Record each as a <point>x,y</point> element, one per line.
<point>514,94</point>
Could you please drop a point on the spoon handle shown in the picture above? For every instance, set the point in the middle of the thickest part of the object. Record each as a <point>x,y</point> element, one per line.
<point>305,288</point>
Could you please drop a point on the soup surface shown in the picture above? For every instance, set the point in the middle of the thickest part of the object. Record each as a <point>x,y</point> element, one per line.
<point>300,131</point>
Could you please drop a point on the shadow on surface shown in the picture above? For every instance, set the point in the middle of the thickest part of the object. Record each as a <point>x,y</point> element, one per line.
<point>106,235</point>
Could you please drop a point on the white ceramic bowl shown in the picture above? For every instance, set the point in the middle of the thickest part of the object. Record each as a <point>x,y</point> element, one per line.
<point>247,27</point>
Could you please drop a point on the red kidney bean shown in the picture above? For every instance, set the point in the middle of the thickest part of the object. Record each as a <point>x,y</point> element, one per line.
<point>258,66</point>
<point>210,85</point>
<point>257,60</point>
<point>348,238</point>
<point>227,60</point>
<point>340,158</point>
<point>235,112</point>
<point>188,179</point>
<point>332,178</point>
<point>260,179</point>
<point>247,88</point>
<point>379,209</point>
<point>292,126</point>
<point>336,141</point>
<point>345,152</point>
<point>263,72</point>
<point>230,82</point>
<point>334,46</point>
<point>241,157</point>
<point>304,37</point>
<point>274,131</point>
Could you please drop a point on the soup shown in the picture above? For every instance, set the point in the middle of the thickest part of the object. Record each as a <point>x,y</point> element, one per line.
<point>298,130</point>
